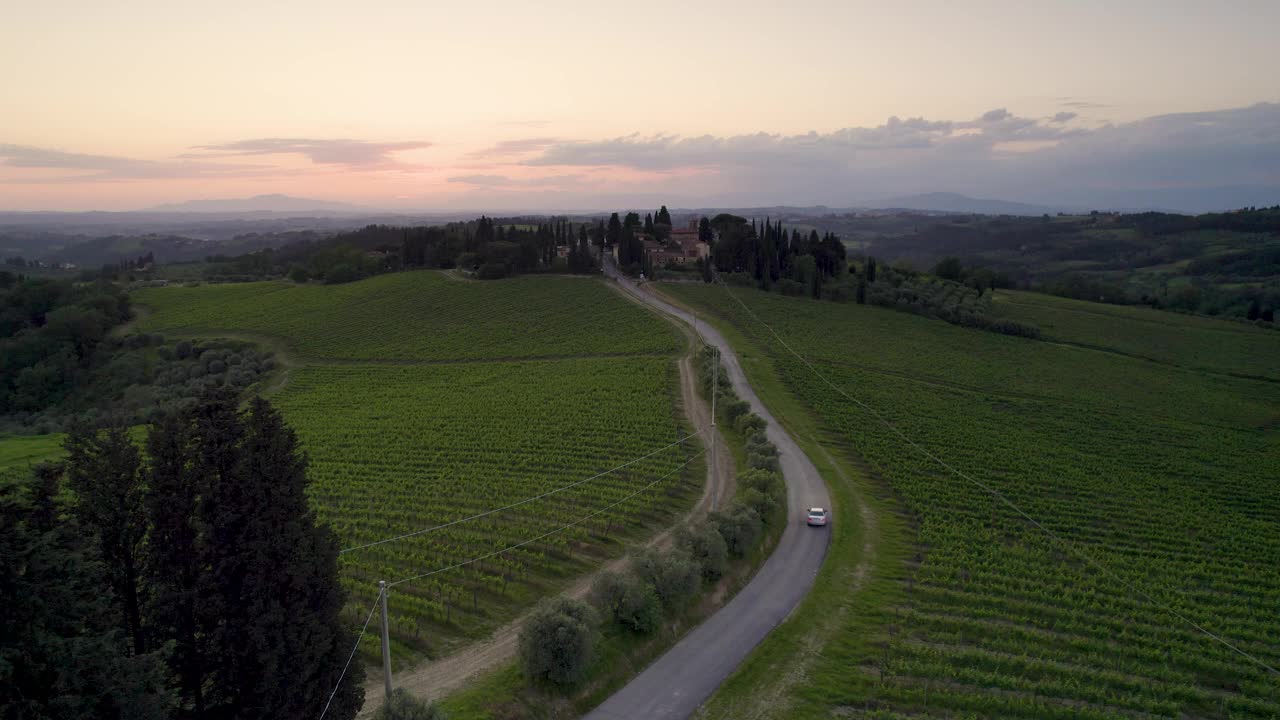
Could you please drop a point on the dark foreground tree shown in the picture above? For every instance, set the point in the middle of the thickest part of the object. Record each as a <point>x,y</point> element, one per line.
<point>246,583</point>
<point>62,652</point>
<point>104,472</point>
<point>557,641</point>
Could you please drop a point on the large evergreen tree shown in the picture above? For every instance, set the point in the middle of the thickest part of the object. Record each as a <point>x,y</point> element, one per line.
<point>246,582</point>
<point>62,652</point>
<point>104,470</point>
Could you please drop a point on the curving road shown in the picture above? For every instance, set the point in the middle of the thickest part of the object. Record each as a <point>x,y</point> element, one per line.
<point>682,679</point>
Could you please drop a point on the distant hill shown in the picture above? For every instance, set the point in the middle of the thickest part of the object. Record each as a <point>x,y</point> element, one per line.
<point>954,202</point>
<point>261,203</point>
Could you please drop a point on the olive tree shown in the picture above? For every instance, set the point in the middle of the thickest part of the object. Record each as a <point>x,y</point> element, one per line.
<point>557,641</point>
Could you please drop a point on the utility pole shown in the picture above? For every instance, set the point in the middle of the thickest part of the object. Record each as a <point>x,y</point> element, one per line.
<point>386,638</point>
<point>715,385</point>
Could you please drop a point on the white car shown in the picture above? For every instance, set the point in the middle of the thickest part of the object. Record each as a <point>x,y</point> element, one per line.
<point>817,517</point>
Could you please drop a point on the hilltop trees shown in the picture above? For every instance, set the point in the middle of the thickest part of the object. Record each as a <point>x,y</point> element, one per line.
<point>772,256</point>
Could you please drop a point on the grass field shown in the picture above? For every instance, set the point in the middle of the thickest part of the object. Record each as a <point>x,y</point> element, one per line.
<point>418,316</point>
<point>1163,472</point>
<point>1184,340</point>
<point>422,400</point>
<point>20,452</point>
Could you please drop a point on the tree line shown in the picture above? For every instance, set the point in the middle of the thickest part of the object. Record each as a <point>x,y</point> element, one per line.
<point>490,248</point>
<point>771,256</point>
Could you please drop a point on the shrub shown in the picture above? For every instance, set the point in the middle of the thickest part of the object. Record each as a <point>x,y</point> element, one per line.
<point>706,547</point>
<point>557,641</point>
<point>403,706</point>
<point>492,271</point>
<point>628,601</point>
<point>757,461</point>
<point>736,409</point>
<point>674,576</point>
<point>749,423</point>
<point>759,444</point>
<point>739,526</point>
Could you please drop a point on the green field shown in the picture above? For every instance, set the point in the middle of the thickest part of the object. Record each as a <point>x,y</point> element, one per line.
<point>20,452</point>
<point>422,400</point>
<point>1184,340</point>
<point>1163,472</point>
<point>418,316</point>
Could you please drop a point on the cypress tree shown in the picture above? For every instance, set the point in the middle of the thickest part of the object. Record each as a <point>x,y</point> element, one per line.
<point>62,653</point>
<point>104,471</point>
<point>281,645</point>
<point>246,583</point>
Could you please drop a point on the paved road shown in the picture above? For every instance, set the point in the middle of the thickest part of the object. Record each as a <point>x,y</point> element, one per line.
<point>682,679</point>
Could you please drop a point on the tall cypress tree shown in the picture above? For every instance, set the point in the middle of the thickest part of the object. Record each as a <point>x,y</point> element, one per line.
<point>62,653</point>
<point>246,582</point>
<point>281,645</point>
<point>173,565</point>
<point>104,471</point>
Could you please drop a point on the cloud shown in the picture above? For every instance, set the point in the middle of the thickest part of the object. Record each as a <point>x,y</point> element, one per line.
<point>338,151</point>
<point>508,148</point>
<point>896,137</point>
<point>1083,104</point>
<point>995,154</point>
<point>504,181</point>
<point>110,167</point>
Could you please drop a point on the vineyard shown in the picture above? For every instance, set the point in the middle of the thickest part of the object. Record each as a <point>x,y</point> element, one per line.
<point>418,316</point>
<point>415,417</point>
<point>1186,340</point>
<point>1161,478</point>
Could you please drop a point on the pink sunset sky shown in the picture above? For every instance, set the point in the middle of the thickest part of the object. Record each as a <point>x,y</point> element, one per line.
<point>563,105</point>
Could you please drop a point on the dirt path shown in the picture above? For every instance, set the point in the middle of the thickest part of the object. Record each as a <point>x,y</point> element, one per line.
<point>436,678</point>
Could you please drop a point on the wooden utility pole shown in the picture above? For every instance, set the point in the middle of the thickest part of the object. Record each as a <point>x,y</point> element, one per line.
<point>386,638</point>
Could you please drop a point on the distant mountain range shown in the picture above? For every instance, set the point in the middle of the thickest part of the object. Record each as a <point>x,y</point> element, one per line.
<point>264,204</point>
<point>957,203</point>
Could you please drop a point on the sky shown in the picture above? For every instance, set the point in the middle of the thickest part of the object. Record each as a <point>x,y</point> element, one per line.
<point>563,104</point>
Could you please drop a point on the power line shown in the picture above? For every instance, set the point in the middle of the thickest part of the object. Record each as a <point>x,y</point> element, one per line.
<point>359,637</point>
<point>996,493</point>
<point>525,501</point>
<point>549,533</point>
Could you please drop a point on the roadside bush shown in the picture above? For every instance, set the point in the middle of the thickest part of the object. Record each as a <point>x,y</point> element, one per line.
<point>762,503</point>
<point>739,526</point>
<point>764,490</point>
<point>756,461</point>
<point>674,576</point>
<point>558,641</point>
<point>628,601</point>
<point>706,547</point>
<point>759,444</point>
<point>492,271</point>
<point>403,706</point>
<point>736,409</point>
<point>748,424</point>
